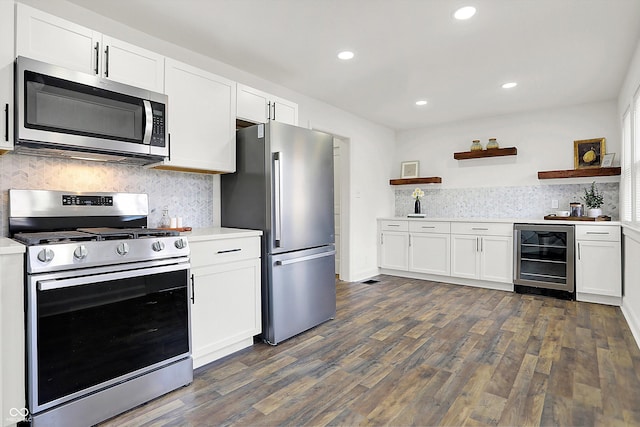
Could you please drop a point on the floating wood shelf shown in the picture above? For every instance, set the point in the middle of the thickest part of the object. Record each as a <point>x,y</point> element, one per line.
<point>579,173</point>
<point>491,152</point>
<point>429,180</point>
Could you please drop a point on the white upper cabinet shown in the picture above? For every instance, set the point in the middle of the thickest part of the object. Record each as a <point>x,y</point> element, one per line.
<point>6,76</point>
<point>57,41</point>
<point>259,107</point>
<point>200,119</point>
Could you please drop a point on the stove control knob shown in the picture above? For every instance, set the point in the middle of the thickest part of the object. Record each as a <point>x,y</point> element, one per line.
<point>122,249</point>
<point>45,255</point>
<point>181,243</point>
<point>81,252</point>
<point>157,246</point>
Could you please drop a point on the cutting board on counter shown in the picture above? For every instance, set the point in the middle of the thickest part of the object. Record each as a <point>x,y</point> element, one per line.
<point>578,218</point>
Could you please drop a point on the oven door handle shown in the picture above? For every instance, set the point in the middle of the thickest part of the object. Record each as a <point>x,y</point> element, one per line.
<point>48,285</point>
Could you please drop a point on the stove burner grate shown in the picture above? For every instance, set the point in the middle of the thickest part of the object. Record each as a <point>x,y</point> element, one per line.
<point>31,239</point>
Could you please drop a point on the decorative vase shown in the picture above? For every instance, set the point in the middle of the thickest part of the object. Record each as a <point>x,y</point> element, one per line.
<point>594,212</point>
<point>416,207</point>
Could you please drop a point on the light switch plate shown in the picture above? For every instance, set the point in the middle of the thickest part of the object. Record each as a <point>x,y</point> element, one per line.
<point>554,204</point>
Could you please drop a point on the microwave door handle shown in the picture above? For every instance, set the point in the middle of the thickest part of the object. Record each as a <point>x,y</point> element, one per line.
<point>148,126</point>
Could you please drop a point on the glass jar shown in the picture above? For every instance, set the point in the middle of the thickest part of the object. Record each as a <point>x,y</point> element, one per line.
<point>493,143</point>
<point>476,146</point>
<point>165,221</point>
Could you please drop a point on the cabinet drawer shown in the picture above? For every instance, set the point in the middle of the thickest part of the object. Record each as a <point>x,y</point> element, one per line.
<point>609,233</point>
<point>482,228</point>
<point>429,227</point>
<point>226,250</point>
<point>391,225</point>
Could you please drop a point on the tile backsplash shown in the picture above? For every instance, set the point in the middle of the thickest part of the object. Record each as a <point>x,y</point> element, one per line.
<point>526,202</point>
<point>185,194</point>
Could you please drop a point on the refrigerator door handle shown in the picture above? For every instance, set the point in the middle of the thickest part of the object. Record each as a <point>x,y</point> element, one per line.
<point>305,258</point>
<point>277,188</point>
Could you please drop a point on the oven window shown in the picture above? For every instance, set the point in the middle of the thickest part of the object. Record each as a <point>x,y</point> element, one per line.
<point>59,105</point>
<point>93,333</point>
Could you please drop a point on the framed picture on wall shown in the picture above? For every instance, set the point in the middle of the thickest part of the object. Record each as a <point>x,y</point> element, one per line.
<point>588,153</point>
<point>410,169</point>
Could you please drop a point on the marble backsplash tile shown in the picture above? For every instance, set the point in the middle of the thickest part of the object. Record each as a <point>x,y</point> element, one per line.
<point>527,202</point>
<point>185,194</point>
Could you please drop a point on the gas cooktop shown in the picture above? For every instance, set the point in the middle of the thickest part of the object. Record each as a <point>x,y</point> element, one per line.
<point>90,234</point>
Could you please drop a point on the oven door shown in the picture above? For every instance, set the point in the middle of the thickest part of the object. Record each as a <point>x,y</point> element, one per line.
<point>85,333</point>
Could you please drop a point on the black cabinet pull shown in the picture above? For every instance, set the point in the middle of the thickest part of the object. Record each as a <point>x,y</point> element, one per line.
<point>97,48</point>
<point>169,146</point>
<point>274,111</point>
<point>6,122</point>
<point>106,62</point>
<point>193,290</point>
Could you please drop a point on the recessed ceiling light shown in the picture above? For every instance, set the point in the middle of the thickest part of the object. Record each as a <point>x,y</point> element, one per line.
<point>345,55</point>
<point>465,12</point>
<point>509,85</point>
<point>421,102</point>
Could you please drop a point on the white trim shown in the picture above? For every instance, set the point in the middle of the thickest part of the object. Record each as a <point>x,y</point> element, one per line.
<point>449,279</point>
<point>598,299</point>
<point>632,321</point>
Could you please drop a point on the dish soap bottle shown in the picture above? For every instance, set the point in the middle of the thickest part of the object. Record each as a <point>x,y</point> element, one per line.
<point>165,221</point>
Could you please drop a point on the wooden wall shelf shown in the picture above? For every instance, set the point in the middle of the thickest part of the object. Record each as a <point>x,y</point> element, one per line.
<point>579,173</point>
<point>492,152</point>
<point>429,180</point>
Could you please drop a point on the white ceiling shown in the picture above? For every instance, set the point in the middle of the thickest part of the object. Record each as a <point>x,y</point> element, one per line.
<point>561,52</point>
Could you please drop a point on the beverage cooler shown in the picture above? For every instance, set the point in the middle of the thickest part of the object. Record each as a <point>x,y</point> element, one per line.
<point>544,259</point>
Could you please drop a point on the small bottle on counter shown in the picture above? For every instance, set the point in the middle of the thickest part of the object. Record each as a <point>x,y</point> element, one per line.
<point>476,146</point>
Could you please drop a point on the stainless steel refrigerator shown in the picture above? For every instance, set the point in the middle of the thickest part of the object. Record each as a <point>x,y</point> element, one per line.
<point>283,185</point>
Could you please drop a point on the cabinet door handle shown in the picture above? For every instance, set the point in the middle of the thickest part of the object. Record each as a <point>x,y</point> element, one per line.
<point>274,111</point>
<point>477,244</point>
<point>230,250</point>
<point>269,110</point>
<point>578,250</point>
<point>193,290</point>
<point>393,225</point>
<point>106,61</point>
<point>97,49</point>
<point>169,145</point>
<point>381,239</point>
<point>6,122</point>
<point>597,232</point>
<point>409,239</point>
<point>428,227</point>
<point>481,229</point>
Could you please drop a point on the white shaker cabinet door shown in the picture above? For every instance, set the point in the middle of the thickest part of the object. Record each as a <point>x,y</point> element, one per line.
<point>598,270</point>
<point>56,41</point>
<point>226,308</point>
<point>7,57</point>
<point>132,65</point>
<point>496,260</point>
<point>464,256</point>
<point>201,119</point>
<point>394,250</point>
<point>429,253</point>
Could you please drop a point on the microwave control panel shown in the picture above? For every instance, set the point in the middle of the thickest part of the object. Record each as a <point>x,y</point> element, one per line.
<point>158,132</point>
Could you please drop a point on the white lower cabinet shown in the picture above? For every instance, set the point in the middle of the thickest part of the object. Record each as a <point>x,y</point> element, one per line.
<point>226,297</point>
<point>12,347</point>
<point>429,247</point>
<point>482,251</point>
<point>393,246</point>
<point>598,264</point>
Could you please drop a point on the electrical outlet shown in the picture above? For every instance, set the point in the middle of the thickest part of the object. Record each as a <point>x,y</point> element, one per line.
<point>554,204</point>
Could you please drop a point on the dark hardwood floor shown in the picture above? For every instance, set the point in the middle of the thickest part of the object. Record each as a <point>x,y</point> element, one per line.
<point>409,352</point>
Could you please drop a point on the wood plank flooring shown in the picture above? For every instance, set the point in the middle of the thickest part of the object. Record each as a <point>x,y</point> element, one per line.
<point>409,352</point>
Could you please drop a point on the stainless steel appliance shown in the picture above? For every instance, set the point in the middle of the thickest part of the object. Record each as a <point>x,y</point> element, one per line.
<point>283,185</point>
<point>107,309</point>
<point>544,259</point>
<point>61,112</point>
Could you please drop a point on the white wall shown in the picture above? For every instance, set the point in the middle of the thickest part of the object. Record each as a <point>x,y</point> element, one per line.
<point>544,140</point>
<point>631,243</point>
<point>370,145</point>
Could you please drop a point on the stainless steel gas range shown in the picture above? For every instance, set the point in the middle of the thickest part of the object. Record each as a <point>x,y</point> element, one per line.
<point>107,305</point>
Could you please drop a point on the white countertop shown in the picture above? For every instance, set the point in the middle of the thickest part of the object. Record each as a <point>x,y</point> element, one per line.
<point>217,233</point>
<point>10,246</point>
<point>506,220</point>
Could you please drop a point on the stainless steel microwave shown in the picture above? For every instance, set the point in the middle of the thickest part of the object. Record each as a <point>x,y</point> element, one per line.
<point>60,112</point>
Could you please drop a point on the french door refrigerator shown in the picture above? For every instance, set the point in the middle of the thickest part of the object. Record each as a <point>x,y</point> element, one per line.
<point>283,185</point>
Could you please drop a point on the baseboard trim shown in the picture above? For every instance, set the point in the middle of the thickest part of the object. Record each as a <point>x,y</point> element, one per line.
<point>632,321</point>
<point>449,279</point>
